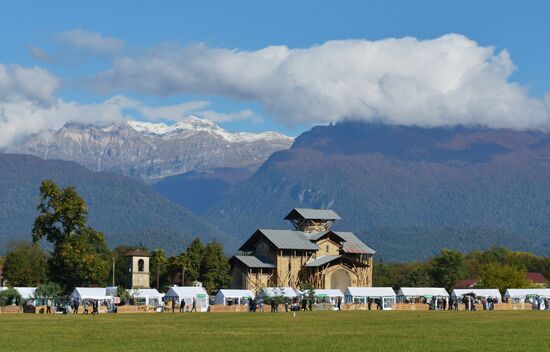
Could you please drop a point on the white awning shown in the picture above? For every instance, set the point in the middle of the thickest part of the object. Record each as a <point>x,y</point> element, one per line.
<point>145,292</point>
<point>422,292</point>
<point>181,292</point>
<point>81,293</point>
<point>480,292</point>
<point>277,292</point>
<point>523,292</point>
<point>26,292</point>
<point>370,292</point>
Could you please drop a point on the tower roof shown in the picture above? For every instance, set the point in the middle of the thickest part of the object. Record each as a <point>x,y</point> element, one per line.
<point>312,214</point>
<point>137,253</point>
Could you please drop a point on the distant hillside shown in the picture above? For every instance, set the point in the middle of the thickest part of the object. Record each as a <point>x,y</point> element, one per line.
<point>127,211</point>
<point>200,189</point>
<point>445,183</point>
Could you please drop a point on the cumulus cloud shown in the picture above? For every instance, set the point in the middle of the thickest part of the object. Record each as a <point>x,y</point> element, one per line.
<point>91,43</point>
<point>444,81</point>
<point>29,104</point>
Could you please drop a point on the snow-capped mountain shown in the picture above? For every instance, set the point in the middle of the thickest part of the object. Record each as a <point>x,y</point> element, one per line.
<point>152,151</point>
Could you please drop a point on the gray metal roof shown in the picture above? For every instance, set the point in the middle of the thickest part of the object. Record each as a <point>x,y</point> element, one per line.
<point>314,214</point>
<point>253,262</point>
<point>353,244</point>
<point>323,260</point>
<point>289,239</point>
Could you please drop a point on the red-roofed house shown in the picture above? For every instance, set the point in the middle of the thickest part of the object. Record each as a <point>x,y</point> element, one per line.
<point>466,283</point>
<point>537,278</point>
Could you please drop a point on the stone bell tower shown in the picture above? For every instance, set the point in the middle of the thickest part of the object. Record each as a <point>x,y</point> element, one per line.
<point>137,263</point>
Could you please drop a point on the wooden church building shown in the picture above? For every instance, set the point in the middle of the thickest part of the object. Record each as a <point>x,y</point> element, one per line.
<point>311,254</point>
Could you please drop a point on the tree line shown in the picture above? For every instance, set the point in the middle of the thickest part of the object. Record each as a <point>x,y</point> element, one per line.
<point>496,267</point>
<point>80,256</point>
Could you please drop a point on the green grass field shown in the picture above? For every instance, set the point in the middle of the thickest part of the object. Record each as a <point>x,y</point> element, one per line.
<point>308,331</point>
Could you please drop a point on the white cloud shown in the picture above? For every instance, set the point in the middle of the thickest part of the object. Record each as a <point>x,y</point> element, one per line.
<point>40,55</point>
<point>29,104</point>
<point>90,42</point>
<point>445,81</point>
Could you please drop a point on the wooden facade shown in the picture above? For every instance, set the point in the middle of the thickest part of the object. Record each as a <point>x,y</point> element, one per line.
<point>311,254</point>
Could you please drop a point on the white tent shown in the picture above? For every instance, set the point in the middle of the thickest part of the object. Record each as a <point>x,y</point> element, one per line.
<point>408,293</point>
<point>26,293</point>
<point>82,294</point>
<point>187,293</point>
<point>286,292</point>
<point>361,295</point>
<point>518,295</point>
<point>146,296</point>
<point>479,292</point>
<point>229,297</point>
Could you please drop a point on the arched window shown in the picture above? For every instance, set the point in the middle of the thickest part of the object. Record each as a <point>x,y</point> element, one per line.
<point>326,248</point>
<point>141,264</point>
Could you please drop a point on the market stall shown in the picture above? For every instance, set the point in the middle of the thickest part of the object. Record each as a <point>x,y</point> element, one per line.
<point>434,297</point>
<point>522,295</point>
<point>383,297</point>
<point>285,292</point>
<point>188,293</point>
<point>229,297</point>
<point>146,296</point>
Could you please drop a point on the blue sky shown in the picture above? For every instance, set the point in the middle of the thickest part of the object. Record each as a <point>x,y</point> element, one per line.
<point>520,27</point>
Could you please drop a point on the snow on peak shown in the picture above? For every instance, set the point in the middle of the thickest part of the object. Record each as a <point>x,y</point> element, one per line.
<point>193,124</point>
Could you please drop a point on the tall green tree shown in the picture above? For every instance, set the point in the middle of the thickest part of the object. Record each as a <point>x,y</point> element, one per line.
<point>80,255</point>
<point>214,267</point>
<point>158,261</point>
<point>26,265</point>
<point>447,268</point>
<point>193,254</point>
<point>502,276</point>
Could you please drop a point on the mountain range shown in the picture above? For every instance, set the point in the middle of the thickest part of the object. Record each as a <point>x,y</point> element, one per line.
<point>153,151</point>
<point>408,191</point>
<point>127,211</point>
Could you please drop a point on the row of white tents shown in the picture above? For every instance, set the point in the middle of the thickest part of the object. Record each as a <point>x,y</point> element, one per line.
<point>386,296</point>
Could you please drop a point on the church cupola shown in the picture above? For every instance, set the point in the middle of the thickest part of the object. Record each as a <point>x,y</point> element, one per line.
<point>312,220</point>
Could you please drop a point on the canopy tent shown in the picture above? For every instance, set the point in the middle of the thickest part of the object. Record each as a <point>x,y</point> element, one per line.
<point>478,292</point>
<point>361,295</point>
<point>519,295</point>
<point>27,294</point>
<point>324,295</point>
<point>86,294</point>
<point>146,296</point>
<point>230,297</point>
<point>409,293</point>
<point>187,293</point>
<point>286,292</point>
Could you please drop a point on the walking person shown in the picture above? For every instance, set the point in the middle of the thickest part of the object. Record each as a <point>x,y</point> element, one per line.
<point>310,304</point>
<point>182,305</point>
<point>339,303</point>
<point>194,305</point>
<point>173,305</point>
<point>304,304</point>
<point>286,304</point>
<point>261,304</point>
<point>48,306</point>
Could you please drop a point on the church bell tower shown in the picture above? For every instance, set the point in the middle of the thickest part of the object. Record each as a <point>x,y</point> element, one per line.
<point>137,263</point>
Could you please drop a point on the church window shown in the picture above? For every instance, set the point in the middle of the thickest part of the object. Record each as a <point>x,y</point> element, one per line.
<point>141,265</point>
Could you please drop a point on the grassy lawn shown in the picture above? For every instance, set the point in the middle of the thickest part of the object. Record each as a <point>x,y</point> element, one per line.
<point>316,331</point>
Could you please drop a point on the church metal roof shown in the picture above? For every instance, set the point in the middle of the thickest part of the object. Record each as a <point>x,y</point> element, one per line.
<point>286,239</point>
<point>313,214</point>
<point>353,244</point>
<point>253,262</point>
<point>323,260</point>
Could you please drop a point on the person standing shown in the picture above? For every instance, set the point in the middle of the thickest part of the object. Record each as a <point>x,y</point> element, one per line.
<point>48,306</point>
<point>194,306</point>
<point>310,304</point>
<point>339,303</point>
<point>173,305</point>
<point>182,305</point>
<point>261,304</point>
<point>286,304</point>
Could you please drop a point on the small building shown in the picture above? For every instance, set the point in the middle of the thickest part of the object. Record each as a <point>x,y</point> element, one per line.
<point>188,293</point>
<point>420,294</point>
<point>362,295</point>
<point>137,262</point>
<point>233,297</point>
<point>520,295</point>
<point>478,292</point>
<point>537,278</point>
<point>146,296</point>
<point>312,253</point>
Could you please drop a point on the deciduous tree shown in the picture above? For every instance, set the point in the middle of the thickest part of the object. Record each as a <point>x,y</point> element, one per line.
<point>25,265</point>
